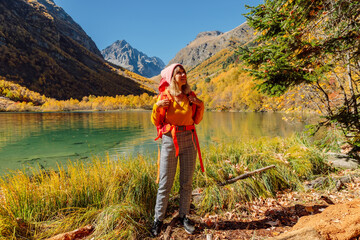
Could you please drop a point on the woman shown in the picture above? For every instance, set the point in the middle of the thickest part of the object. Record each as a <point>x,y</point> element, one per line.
<point>175,113</point>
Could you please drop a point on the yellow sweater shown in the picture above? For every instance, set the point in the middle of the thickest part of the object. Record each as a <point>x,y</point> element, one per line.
<point>178,114</point>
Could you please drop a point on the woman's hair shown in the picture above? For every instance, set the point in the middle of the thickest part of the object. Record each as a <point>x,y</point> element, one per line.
<point>174,88</point>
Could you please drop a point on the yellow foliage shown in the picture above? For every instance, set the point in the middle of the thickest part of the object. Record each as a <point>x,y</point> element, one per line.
<point>229,89</point>
<point>20,99</point>
<point>226,86</point>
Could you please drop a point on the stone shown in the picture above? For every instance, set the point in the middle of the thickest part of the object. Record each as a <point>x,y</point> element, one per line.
<point>342,161</point>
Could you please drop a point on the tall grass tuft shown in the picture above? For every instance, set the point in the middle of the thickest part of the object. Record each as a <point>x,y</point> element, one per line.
<point>117,196</point>
<point>57,201</point>
<point>295,158</point>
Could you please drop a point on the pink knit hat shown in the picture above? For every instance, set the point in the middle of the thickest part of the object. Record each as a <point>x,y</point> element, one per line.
<point>166,75</point>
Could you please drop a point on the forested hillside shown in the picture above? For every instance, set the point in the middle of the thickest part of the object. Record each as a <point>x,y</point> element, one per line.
<point>223,82</point>
<point>14,97</point>
<point>38,50</point>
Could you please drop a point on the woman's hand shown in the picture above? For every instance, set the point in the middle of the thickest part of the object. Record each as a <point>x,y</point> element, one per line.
<point>194,100</point>
<point>163,103</point>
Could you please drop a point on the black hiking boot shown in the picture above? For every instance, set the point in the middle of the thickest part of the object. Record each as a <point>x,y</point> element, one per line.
<point>189,226</point>
<point>156,228</point>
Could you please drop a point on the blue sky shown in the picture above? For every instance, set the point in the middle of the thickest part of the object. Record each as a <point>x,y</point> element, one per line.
<point>156,28</point>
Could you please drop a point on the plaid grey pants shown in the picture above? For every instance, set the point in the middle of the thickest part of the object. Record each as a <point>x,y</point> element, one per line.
<point>168,164</point>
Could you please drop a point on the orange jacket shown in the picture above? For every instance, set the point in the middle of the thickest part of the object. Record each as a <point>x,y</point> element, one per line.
<point>177,114</point>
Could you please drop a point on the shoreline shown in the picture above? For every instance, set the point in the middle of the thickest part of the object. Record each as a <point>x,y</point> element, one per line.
<point>149,110</point>
<point>65,106</point>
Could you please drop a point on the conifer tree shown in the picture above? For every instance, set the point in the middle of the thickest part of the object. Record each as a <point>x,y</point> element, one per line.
<point>312,42</point>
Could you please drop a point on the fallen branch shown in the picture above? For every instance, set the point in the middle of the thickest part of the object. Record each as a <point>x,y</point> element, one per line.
<point>197,193</point>
<point>245,175</point>
<point>167,234</point>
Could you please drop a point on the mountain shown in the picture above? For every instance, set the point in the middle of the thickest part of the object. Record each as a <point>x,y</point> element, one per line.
<point>65,24</point>
<point>43,49</point>
<point>207,44</point>
<point>122,54</point>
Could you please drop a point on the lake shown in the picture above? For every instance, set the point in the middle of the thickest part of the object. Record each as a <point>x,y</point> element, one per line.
<point>45,139</point>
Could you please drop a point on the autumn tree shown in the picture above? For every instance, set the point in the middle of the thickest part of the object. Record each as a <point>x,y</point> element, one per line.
<point>314,43</point>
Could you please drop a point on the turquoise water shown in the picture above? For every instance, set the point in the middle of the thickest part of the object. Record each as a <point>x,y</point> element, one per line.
<point>47,139</point>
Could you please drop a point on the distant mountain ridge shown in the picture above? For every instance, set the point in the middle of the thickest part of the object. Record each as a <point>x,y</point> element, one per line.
<point>123,54</point>
<point>43,49</point>
<point>207,44</point>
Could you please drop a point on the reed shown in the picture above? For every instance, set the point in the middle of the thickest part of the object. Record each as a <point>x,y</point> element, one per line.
<point>117,196</point>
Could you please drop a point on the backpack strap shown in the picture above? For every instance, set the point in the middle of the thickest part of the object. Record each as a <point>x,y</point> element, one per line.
<point>162,111</point>
<point>193,105</point>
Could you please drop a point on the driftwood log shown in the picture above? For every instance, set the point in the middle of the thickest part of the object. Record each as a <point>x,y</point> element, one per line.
<point>197,192</point>
<point>245,175</point>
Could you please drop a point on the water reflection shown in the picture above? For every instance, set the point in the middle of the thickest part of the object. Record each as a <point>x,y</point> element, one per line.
<point>223,126</point>
<point>43,139</point>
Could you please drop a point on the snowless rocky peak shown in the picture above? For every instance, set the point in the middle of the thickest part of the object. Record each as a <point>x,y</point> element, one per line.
<point>208,34</point>
<point>123,54</point>
<point>207,44</point>
<point>120,44</point>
